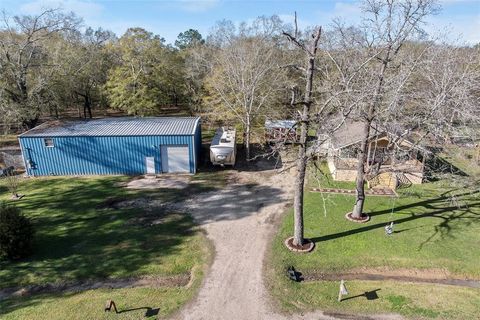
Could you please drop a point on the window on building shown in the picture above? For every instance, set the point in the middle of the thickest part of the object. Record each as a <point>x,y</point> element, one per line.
<point>49,142</point>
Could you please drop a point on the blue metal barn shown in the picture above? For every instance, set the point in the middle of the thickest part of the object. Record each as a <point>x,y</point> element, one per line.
<point>124,145</point>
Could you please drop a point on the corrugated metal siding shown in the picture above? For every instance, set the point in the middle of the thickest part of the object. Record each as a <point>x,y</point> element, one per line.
<point>198,144</point>
<point>99,155</point>
<point>123,126</point>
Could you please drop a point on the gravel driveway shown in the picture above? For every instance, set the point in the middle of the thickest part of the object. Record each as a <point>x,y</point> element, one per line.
<point>239,221</point>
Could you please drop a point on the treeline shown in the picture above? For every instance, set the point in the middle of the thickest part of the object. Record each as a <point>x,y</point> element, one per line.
<point>51,66</point>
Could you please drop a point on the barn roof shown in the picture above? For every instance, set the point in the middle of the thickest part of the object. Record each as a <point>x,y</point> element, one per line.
<point>119,126</point>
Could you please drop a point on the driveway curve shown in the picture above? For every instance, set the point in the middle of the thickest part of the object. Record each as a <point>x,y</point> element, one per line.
<point>239,220</point>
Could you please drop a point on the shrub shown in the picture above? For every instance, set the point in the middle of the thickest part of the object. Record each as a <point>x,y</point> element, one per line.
<point>16,233</point>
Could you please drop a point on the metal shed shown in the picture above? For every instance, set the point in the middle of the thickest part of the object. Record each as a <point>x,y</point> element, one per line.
<point>280,130</point>
<point>125,145</point>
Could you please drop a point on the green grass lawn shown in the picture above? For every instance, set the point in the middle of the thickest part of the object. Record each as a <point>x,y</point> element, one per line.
<point>77,238</point>
<point>436,226</point>
<point>413,301</point>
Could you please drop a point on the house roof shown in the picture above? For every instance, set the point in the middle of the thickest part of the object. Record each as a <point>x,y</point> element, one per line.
<point>350,132</point>
<point>283,124</point>
<point>119,126</point>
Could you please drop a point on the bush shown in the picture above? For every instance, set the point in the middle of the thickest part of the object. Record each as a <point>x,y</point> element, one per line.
<point>16,233</point>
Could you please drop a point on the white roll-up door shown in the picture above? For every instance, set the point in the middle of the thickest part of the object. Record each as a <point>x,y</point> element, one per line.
<point>175,158</point>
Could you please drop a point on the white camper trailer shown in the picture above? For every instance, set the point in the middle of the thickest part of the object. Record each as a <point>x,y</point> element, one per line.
<point>223,149</point>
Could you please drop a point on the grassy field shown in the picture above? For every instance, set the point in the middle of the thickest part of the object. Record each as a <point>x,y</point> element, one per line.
<point>414,301</point>
<point>436,226</point>
<point>79,236</point>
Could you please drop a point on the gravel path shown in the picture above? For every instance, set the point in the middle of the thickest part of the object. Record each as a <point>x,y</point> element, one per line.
<point>239,221</point>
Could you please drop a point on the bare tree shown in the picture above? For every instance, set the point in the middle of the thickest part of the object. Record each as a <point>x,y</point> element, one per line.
<point>402,82</point>
<point>12,181</point>
<point>310,51</point>
<point>244,79</point>
<point>383,67</point>
<point>321,107</point>
<point>24,62</point>
<point>446,92</point>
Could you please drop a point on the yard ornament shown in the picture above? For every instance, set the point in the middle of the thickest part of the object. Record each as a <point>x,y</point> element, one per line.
<point>109,305</point>
<point>343,290</point>
<point>292,274</point>
<point>389,229</point>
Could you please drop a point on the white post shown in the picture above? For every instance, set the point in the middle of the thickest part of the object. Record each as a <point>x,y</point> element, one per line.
<point>342,290</point>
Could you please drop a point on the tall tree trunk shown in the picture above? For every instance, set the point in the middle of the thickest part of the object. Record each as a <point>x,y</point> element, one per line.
<point>247,138</point>
<point>302,158</point>
<point>360,180</point>
<point>32,121</point>
<point>33,118</point>
<point>87,106</point>
<point>298,197</point>
<point>362,153</point>
<point>175,98</point>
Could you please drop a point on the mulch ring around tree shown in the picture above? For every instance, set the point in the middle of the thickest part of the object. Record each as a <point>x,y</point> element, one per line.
<point>363,218</point>
<point>181,280</point>
<point>307,246</point>
<point>385,192</point>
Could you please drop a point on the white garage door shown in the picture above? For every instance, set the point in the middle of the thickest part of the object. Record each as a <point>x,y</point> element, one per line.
<point>175,158</point>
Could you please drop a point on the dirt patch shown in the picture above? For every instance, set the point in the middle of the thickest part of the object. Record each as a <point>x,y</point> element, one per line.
<point>431,273</point>
<point>344,316</point>
<point>154,216</point>
<point>150,282</point>
<point>437,276</point>
<point>160,182</point>
<point>152,211</point>
<point>150,206</point>
<point>122,203</point>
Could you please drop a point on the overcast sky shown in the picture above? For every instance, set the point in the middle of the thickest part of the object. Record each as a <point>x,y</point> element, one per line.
<point>459,18</point>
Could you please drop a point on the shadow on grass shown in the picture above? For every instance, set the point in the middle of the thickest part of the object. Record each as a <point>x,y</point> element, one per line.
<point>12,304</point>
<point>433,203</point>
<point>447,208</point>
<point>150,312</point>
<point>74,240</point>
<point>437,165</point>
<point>369,295</point>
